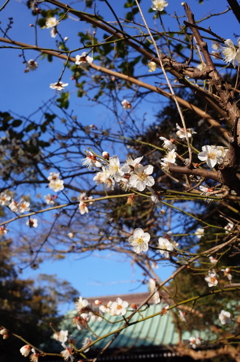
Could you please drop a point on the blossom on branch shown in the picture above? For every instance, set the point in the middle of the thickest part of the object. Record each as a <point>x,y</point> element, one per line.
<point>168,144</point>
<point>210,154</point>
<point>119,307</point>
<point>4,199</point>
<point>225,317</point>
<point>141,178</point>
<point>152,66</point>
<point>58,85</point>
<point>231,54</point>
<point>211,278</point>
<point>61,336</point>
<point>32,223</point>
<point>86,343</point>
<point>182,134</point>
<point>83,59</point>
<point>55,183</point>
<point>139,240</point>
<point>25,350</point>
<point>159,5</point>
<point>51,22</point>
<point>165,246</point>
<point>194,342</point>
<point>199,233</point>
<point>126,104</point>
<point>91,160</point>
<point>31,65</point>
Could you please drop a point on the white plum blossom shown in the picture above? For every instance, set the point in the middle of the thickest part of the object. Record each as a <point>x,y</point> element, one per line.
<point>126,104</point>
<point>58,85</point>
<point>103,177</point>
<point>181,315</point>
<point>211,278</point>
<point>83,205</point>
<point>105,308</point>
<point>141,178</point>
<point>210,154</point>
<point>159,5</point>
<point>83,59</point>
<point>34,356</point>
<point>231,54</point>
<point>81,304</point>
<point>86,343</point>
<point>139,240</point>
<point>66,353</point>
<point>91,160</point>
<point>169,158</point>
<point>25,350</point>
<point>165,246</point>
<point>199,233</point>
<point>229,227</point>
<point>51,22</point>
<point>3,230</point>
<point>56,185</point>
<point>153,288</point>
<point>23,206</point>
<point>31,65</point>
<point>4,199</point>
<point>13,206</point>
<point>182,134</point>
<point>115,170</point>
<point>194,342</point>
<point>119,307</point>
<point>224,316</point>
<point>49,199</point>
<point>152,66</point>
<point>212,260</point>
<point>227,273</point>
<point>32,223</point>
<point>168,144</point>
<point>61,336</point>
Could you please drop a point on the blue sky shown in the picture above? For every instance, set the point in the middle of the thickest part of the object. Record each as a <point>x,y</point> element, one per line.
<point>22,93</point>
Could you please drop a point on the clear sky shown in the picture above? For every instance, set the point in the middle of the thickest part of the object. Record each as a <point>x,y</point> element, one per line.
<point>23,93</point>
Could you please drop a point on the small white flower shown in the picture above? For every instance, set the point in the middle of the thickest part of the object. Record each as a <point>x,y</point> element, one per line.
<point>25,350</point>
<point>194,341</point>
<point>231,54</point>
<point>170,157</point>
<point>126,104</point>
<point>61,336</point>
<point>210,155</point>
<point>152,66</point>
<point>34,356</point>
<point>32,223</point>
<point>13,206</point>
<point>212,260</point>
<point>227,273</point>
<point>168,144</point>
<point>53,32</point>
<point>225,317</point>
<point>215,45</point>
<point>66,353</point>
<point>165,246</point>
<point>182,134</point>
<point>211,279</point>
<point>32,65</point>
<point>83,59</point>
<point>50,22</point>
<point>119,307</point>
<point>23,206</point>
<point>229,227</point>
<point>141,178</point>
<point>115,169</point>
<point>49,199</point>
<point>81,304</point>
<point>58,85</point>
<point>3,230</point>
<point>181,315</point>
<point>153,288</point>
<point>4,199</point>
<point>86,343</point>
<point>56,185</point>
<point>91,160</point>
<point>139,240</point>
<point>159,5</point>
<point>102,177</point>
<point>199,233</point>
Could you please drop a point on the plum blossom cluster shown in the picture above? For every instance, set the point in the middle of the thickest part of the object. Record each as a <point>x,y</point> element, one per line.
<point>26,350</point>
<point>87,312</point>
<point>132,174</point>
<point>18,207</point>
<point>62,337</point>
<point>231,52</point>
<point>212,155</point>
